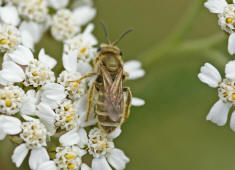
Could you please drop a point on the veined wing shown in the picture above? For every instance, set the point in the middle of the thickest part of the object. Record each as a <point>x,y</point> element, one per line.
<point>113,95</point>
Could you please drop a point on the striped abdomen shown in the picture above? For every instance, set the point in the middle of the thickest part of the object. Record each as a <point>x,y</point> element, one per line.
<point>102,116</point>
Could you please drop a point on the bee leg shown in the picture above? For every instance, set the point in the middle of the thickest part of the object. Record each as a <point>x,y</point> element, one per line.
<point>90,99</point>
<point>125,75</point>
<point>84,77</point>
<point>127,105</point>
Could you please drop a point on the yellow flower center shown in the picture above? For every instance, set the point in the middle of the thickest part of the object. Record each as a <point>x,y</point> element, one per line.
<point>3,41</point>
<point>83,50</point>
<point>71,166</point>
<point>66,108</point>
<point>3,97</point>
<point>229,20</point>
<point>103,145</point>
<point>75,85</point>
<point>8,103</point>
<point>39,2</point>
<point>34,73</point>
<point>70,156</point>
<point>233,96</point>
<point>68,119</point>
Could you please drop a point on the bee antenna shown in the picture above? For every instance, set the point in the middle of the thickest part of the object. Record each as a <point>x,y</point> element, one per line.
<point>122,35</point>
<point>105,31</point>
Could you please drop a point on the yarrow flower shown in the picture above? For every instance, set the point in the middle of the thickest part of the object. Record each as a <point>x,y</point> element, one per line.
<point>82,45</point>
<point>66,23</point>
<point>72,88</point>
<point>38,107</point>
<point>102,148</point>
<point>226,15</point>
<point>10,38</point>
<point>226,92</point>
<point>69,157</point>
<point>66,117</point>
<point>35,10</point>
<point>34,135</point>
<point>11,99</point>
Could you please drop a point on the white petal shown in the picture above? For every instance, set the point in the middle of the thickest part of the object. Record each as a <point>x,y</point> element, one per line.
<point>47,117</point>
<point>232,121</point>
<point>46,59</point>
<point>70,62</point>
<point>22,55</point>
<point>2,134</point>
<point>85,167</point>
<point>132,65</point>
<point>75,4</point>
<point>84,14</point>
<point>91,121</point>
<point>52,94</point>
<point>135,74</point>
<point>81,105</point>
<point>70,138</point>
<point>89,36</point>
<point>11,73</point>
<point>231,44</point>
<point>137,102</point>
<point>26,39</point>
<point>28,118</point>
<point>19,154</point>
<point>83,67</point>
<point>28,106</point>
<point>118,159</point>
<point>115,133</point>
<point>37,157</point>
<point>81,108</point>
<point>53,91</point>
<point>219,113</point>
<point>11,125</point>
<point>58,4</point>
<point>100,164</point>
<point>9,15</point>
<point>216,6</point>
<point>209,75</point>
<point>34,29</point>
<point>230,70</point>
<point>83,139</point>
<point>49,165</point>
<point>134,70</point>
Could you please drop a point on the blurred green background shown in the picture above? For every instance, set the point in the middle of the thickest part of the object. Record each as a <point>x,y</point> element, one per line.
<point>170,132</point>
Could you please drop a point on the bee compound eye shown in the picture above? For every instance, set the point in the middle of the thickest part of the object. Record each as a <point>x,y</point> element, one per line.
<point>121,54</point>
<point>98,49</point>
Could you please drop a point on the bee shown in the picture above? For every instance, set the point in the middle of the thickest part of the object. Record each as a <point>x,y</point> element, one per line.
<point>113,101</point>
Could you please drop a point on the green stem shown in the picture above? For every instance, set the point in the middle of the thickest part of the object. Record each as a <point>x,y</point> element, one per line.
<point>202,44</point>
<point>187,21</point>
<point>157,51</point>
<point>217,57</point>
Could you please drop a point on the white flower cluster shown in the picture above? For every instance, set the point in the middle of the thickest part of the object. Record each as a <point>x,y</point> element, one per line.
<point>218,114</point>
<point>226,15</point>
<point>35,105</point>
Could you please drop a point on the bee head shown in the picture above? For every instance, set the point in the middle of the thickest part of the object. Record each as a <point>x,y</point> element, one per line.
<point>109,48</point>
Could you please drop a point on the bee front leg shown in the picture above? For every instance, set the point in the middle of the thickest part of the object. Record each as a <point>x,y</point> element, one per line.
<point>84,77</point>
<point>90,99</point>
<point>127,105</point>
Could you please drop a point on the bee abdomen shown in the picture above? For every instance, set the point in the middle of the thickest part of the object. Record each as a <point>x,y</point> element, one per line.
<point>104,121</point>
<point>109,124</point>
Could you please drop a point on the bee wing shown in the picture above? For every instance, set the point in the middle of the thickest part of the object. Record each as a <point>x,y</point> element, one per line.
<point>113,94</point>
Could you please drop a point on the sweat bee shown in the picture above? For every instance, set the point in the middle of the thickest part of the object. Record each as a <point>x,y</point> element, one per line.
<point>113,101</point>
